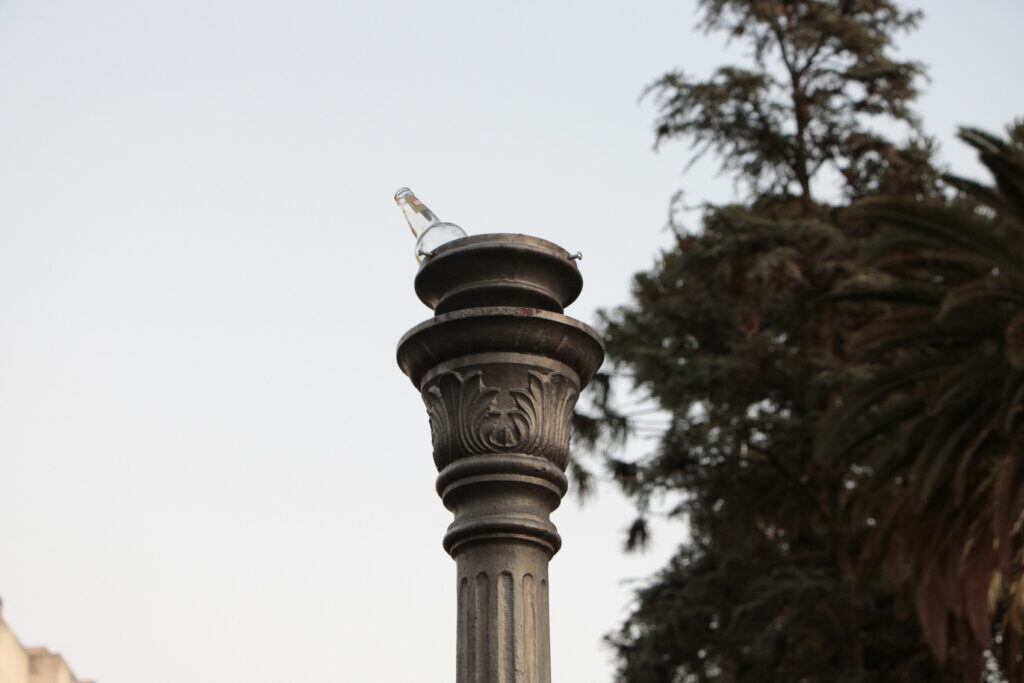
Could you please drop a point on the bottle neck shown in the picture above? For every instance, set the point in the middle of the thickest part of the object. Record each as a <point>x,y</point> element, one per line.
<point>417,215</point>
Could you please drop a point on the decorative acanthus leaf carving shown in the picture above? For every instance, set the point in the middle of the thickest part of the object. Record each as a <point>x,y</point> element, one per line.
<point>467,417</point>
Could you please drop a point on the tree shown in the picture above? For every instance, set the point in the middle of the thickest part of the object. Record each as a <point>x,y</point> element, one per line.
<point>822,70</point>
<point>940,419</point>
<point>727,336</point>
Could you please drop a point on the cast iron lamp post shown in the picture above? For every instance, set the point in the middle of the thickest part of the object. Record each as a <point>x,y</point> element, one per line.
<point>499,368</point>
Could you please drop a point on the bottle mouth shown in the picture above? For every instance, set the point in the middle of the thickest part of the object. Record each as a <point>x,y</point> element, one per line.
<point>402,192</point>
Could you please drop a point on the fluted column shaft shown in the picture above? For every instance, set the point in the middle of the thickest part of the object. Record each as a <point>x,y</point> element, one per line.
<point>502,540</point>
<point>502,632</point>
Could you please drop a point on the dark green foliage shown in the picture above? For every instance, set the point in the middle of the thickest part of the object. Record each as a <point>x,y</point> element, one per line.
<point>941,419</point>
<point>727,334</point>
<point>821,71</point>
<point>784,623</point>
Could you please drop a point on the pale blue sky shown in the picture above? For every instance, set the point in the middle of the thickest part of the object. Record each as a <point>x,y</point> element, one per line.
<point>211,468</point>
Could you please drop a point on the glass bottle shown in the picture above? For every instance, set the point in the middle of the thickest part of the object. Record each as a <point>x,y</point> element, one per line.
<point>430,233</point>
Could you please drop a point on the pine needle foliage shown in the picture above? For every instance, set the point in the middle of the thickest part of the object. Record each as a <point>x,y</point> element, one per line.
<point>727,334</point>
<point>821,72</point>
<point>728,337</point>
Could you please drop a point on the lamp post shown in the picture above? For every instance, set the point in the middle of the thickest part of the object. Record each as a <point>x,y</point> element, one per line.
<point>499,368</point>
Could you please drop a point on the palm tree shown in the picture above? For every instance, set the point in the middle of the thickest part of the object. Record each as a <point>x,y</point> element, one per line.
<point>937,423</point>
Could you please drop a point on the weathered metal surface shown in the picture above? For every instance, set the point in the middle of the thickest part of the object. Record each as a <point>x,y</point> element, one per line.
<point>499,369</point>
<point>499,329</point>
<point>499,270</point>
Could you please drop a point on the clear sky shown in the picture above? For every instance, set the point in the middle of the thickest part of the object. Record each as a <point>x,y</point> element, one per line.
<point>211,468</point>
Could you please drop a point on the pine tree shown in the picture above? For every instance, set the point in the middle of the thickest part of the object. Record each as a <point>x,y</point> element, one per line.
<point>822,71</point>
<point>727,335</point>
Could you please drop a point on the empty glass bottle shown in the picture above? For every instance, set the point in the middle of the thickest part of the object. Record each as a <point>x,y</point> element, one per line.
<point>430,233</point>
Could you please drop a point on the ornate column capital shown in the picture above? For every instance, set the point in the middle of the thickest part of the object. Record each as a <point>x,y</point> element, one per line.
<point>470,417</point>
